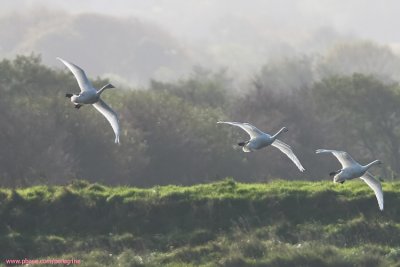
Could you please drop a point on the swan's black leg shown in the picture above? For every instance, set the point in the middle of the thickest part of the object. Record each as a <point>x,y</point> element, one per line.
<point>77,106</point>
<point>342,182</point>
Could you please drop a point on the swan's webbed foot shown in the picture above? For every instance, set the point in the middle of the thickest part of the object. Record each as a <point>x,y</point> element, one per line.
<point>77,106</point>
<point>68,95</point>
<point>334,173</point>
<point>242,143</point>
<point>342,182</point>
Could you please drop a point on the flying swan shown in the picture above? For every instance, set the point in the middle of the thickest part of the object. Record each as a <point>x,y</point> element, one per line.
<point>89,95</point>
<point>259,139</point>
<point>352,169</point>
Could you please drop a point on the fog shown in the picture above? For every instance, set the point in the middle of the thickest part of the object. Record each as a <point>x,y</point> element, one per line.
<point>311,67</point>
<point>134,41</point>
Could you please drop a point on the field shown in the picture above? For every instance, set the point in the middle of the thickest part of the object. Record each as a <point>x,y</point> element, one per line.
<point>226,223</point>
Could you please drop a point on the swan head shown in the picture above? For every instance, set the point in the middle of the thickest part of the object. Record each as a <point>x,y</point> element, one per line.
<point>108,86</point>
<point>284,129</point>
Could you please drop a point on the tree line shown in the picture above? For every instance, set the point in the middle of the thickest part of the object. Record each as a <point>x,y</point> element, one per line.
<point>169,131</point>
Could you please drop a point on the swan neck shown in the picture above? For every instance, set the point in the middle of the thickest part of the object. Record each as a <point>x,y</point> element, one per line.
<point>369,165</point>
<point>278,133</point>
<point>107,86</point>
<point>101,90</point>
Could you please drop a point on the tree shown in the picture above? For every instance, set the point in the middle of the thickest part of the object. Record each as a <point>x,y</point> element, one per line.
<point>359,57</point>
<point>31,139</point>
<point>361,114</point>
<point>203,87</point>
<point>184,143</point>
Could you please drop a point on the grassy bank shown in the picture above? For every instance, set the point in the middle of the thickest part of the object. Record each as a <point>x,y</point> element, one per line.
<point>220,224</point>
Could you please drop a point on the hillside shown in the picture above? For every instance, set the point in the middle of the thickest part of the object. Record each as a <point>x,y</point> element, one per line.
<point>220,224</point>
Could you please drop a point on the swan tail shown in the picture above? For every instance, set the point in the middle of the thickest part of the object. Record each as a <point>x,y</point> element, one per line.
<point>245,149</point>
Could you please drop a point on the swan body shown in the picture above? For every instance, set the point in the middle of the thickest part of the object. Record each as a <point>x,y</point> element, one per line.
<point>259,140</point>
<point>351,169</point>
<point>89,95</point>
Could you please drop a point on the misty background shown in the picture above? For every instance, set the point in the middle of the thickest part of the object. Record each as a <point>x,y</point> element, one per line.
<point>327,70</point>
<point>134,41</point>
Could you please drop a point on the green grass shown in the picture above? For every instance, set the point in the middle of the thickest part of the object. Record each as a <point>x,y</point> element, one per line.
<point>218,224</point>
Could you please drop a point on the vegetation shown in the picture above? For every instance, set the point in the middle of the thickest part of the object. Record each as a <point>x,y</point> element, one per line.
<point>218,224</point>
<point>169,130</point>
<point>170,136</point>
<point>345,98</point>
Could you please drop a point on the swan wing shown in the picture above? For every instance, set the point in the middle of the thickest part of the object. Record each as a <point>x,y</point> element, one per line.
<point>250,129</point>
<point>80,76</point>
<point>376,186</point>
<point>344,158</point>
<point>110,115</point>
<point>287,150</point>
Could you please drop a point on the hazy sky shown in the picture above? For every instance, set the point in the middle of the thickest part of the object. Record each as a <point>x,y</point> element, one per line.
<point>377,20</point>
<point>240,34</point>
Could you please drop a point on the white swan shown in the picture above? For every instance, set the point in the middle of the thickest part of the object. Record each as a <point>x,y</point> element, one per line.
<point>352,169</point>
<point>259,139</point>
<point>89,95</point>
